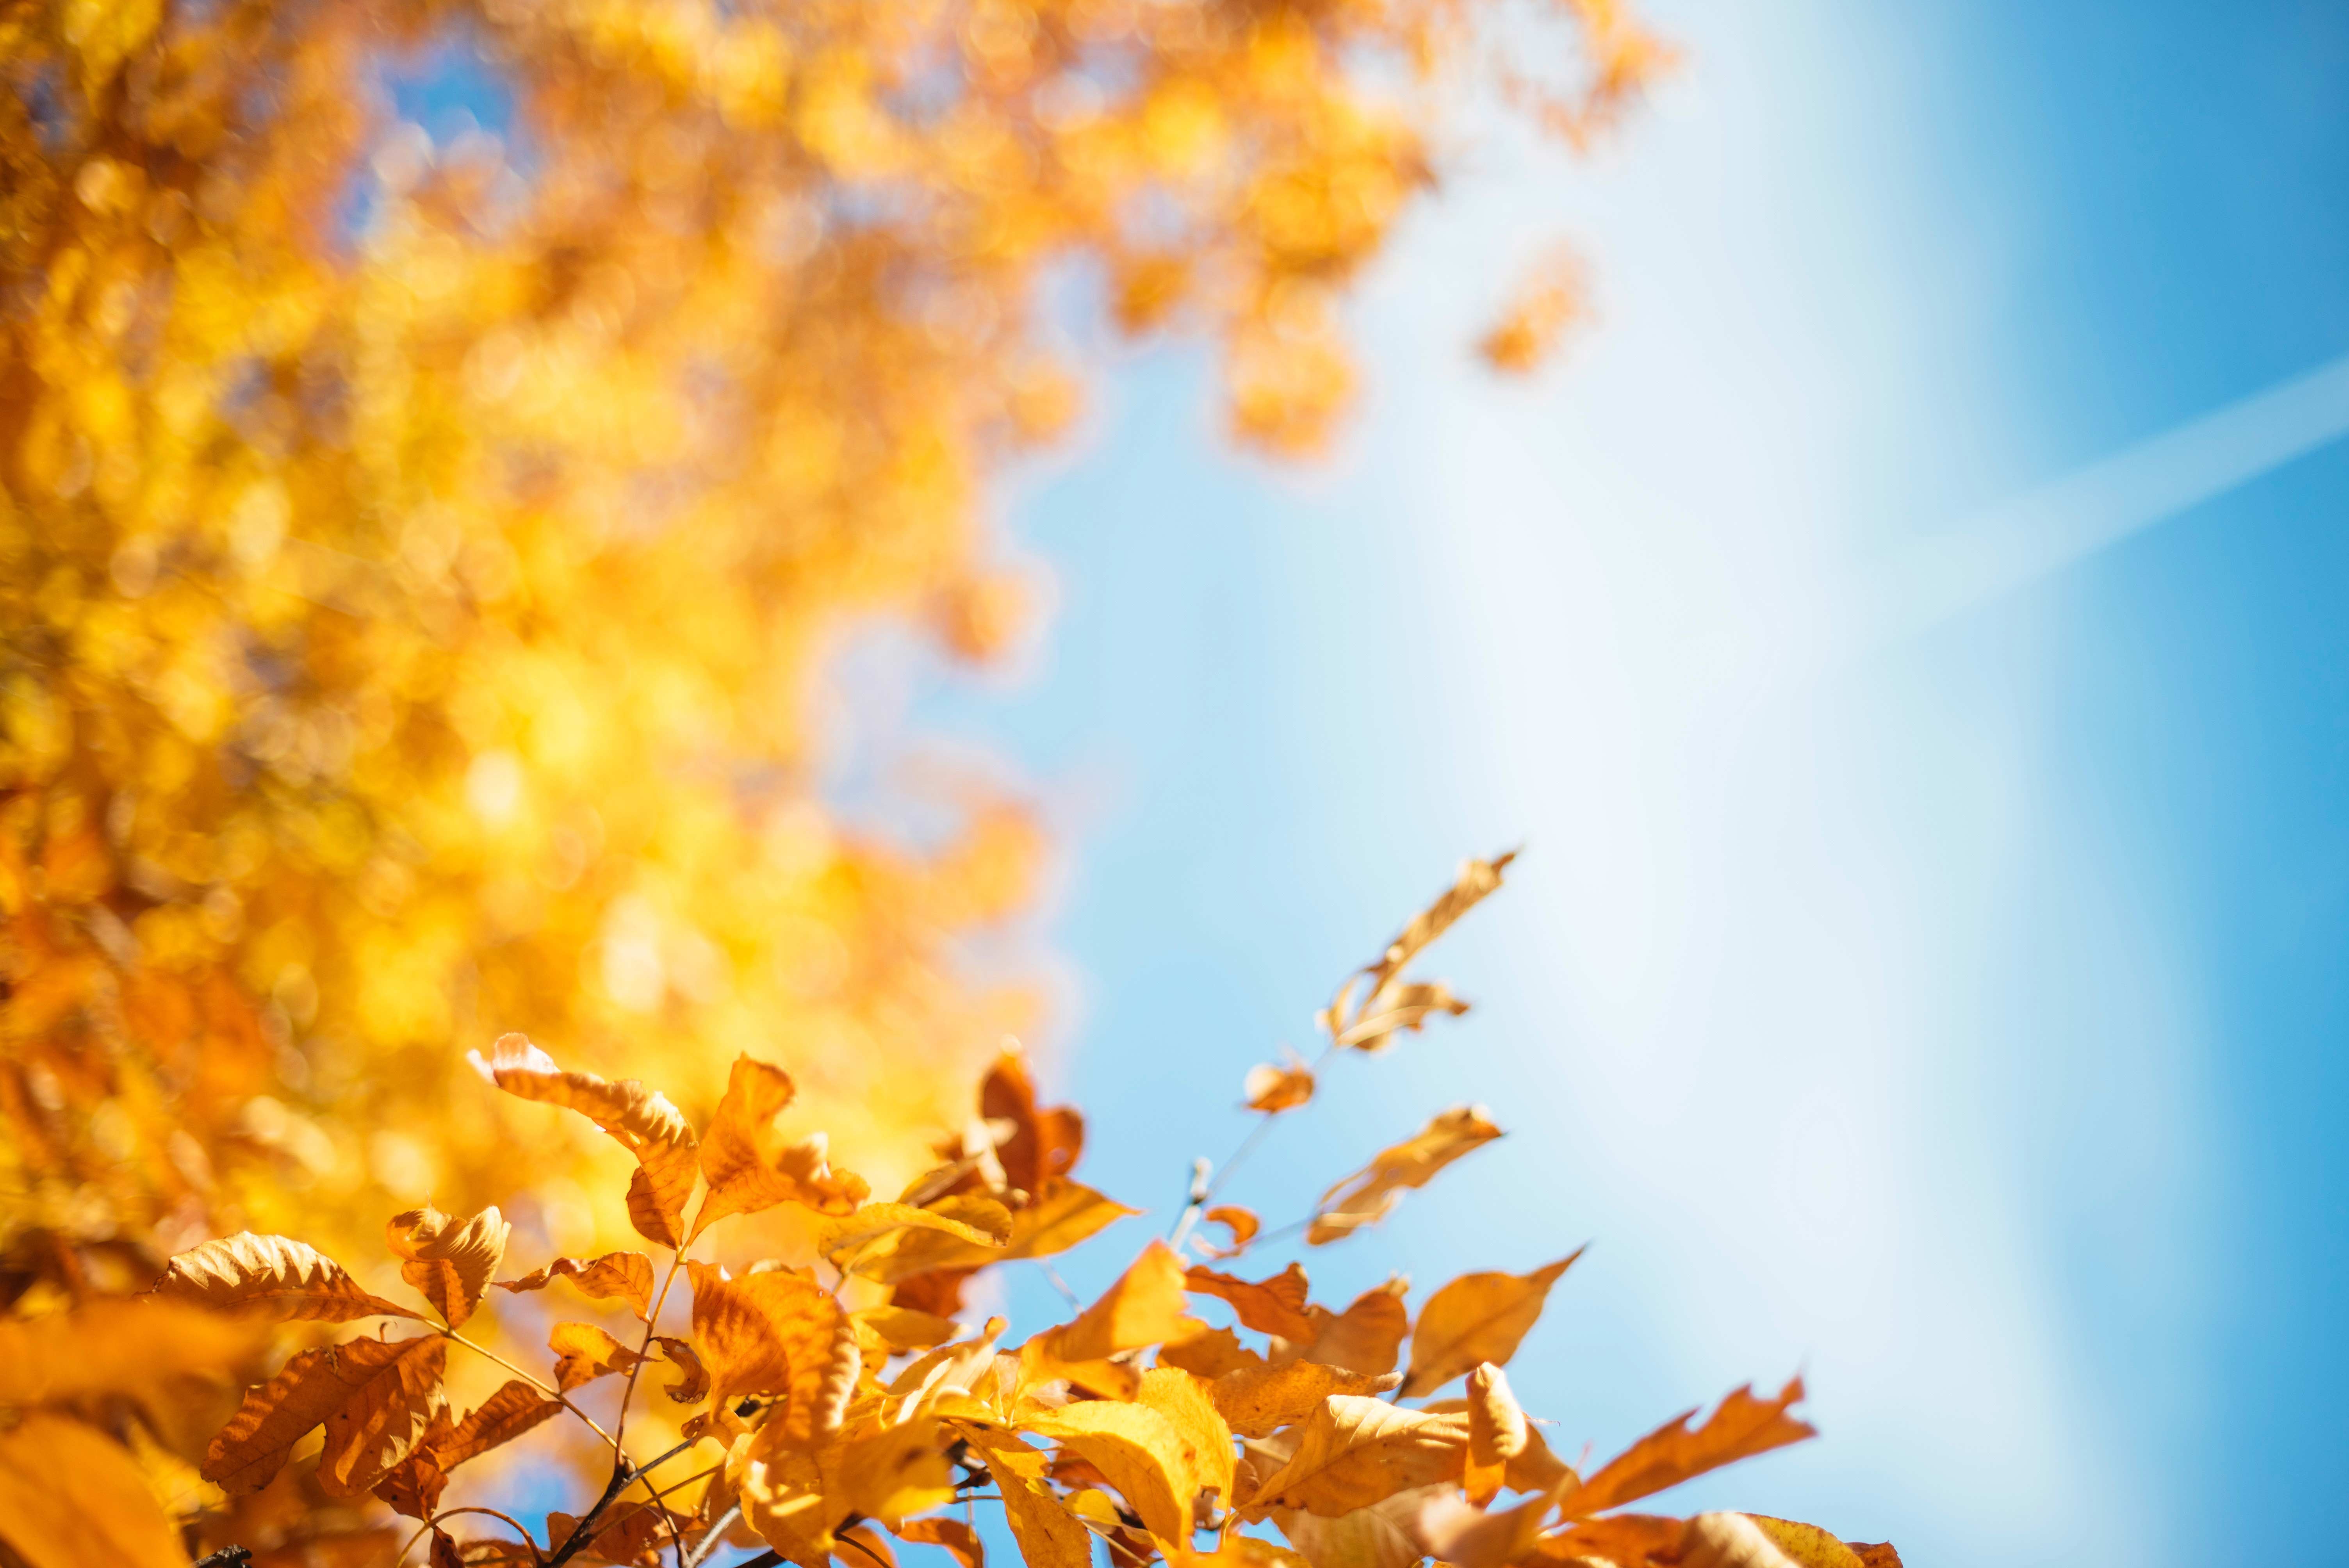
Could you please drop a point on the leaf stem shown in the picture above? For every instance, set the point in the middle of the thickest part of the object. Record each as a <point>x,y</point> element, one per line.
<point>724,1522</point>
<point>546,1389</point>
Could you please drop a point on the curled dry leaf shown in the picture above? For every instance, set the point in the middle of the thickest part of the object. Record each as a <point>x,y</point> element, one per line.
<point>953,1534</point>
<point>1396,1008</point>
<point>1478,879</point>
<point>1370,1194</point>
<point>1273,1306</point>
<point>693,1386</point>
<point>376,1398</point>
<point>270,1276</point>
<point>1504,1447</point>
<point>499,1419</point>
<point>1242,1224</point>
<point>1754,1541</point>
<point>1477,1317</point>
<point>1257,1401</point>
<point>1275,1089</point>
<point>776,1334</point>
<point>449,1264</point>
<point>1739,1427</point>
<point>1354,1452</point>
<point>749,1166</point>
<point>584,1353</point>
<point>641,1121</point>
<point>614,1276</point>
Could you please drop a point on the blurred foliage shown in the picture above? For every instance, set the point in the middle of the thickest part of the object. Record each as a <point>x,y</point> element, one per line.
<point>416,556</point>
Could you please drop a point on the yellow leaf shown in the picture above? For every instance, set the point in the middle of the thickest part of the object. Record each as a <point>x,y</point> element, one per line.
<point>316,1384</point>
<point>622,1276</point>
<point>71,1498</point>
<point>1477,1317</point>
<point>1741,1426</point>
<point>776,1334</point>
<point>117,1347</point>
<point>1805,1545</point>
<point>1242,1223</point>
<point>1048,1536</point>
<point>640,1119</point>
<point>1274,1307</point>
<point>1189,1407</point>
<point>1237,1551</point>
<point>894,1471</point>
<point>1145,1307</point>
<point>981,1222</point>
<point>272,1277</point>
<point>1397,1008</point>
<point>1750,1541</point>
<point>1258,1401</point>
<point>1370,1194</point>
<point>1354,1452</point>
<point>1367,1335</point>
<point>450,1266</point>
<point>1478,881</point>
<point>1060,1217</point>
<point>584,1353</point>
<point>901,1328</point>
<point>1504,1447</point>
<point>1467,1536</point>
<point>1139,1452</point>
<point>1275,1089</point>
<point>747,1163</point>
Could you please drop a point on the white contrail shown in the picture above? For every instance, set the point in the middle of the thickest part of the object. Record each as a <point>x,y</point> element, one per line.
<point>2040,532</point>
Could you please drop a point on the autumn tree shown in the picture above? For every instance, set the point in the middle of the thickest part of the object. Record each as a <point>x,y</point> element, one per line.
<point>817,1408</point>
<point>414,555</point>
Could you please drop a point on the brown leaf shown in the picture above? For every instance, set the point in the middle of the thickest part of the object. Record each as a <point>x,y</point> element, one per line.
<point>1210,1355</point>
<point>1258,1401</point>
<point>333,1381</point>
<point>694,1387</point>
<point>584,1353</point>
<point>641,1121</point>
<point>1045,1143</point>
<point>414,1485</point>
<point>773,1333</point>
<point>749,1166</point>
<point>1741,1426</point>
<point>1273,1306</point>
<point>1370,1194</point>
<point>1477,1317</point>
<point>448,1264</point>
<point>937,1291</point>
<point>272,1277</point>
<point>1275,1089</point>
<point>621,1276</point>
<point>950,1533</point>
<point>501,1418</point>
<point>1478,881</point>
<point>1367,1335</point>
<point>1876,1554</point>
<point>72,1498</point>
<point>1353,1451</point>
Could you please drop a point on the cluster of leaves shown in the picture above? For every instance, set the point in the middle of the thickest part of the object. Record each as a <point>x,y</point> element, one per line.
<point>839,1404</point>
<point>414,555</point>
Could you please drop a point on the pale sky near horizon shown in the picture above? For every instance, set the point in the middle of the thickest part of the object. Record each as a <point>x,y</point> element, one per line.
<point>1934,1018</point>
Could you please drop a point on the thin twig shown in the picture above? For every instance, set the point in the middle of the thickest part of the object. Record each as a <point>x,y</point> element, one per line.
<point>1059,1284</point>
<point>548,1389</point>
<point>1200,1199</point>
<point>725,1521</point>
<point>527,1539</point>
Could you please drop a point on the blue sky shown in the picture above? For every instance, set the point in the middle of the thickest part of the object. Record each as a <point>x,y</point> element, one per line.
<point>1947,1006</point>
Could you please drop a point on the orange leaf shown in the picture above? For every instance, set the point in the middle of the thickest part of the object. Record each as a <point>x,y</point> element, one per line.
<point>953,1534</point>
<point>1045,1143</point>
<point>1145,1307</point>
<point>1274,1307</point>
<point>1241,1223</point>
<point>641,1121</point>
<point>749,1166</point>
<point>501,1418</point>
<point>1354,1452</point>
<point>1477,1317</point>
<point>1741,1426</point>
<point>72,1498</point>
<point>1064,1214</point>
<point>450,1266</point>
<point>313,1386</point>
<point>776,1333</point>
<point>1273,1089</point>
<point>1370,1194</point>
<point>1258,1401</point>
<point>622,1276</point>
<point>584,1353</point>
<point>1210,1355</point>
<point>1367,1335</point>
<point>274,1277</point>
<point>384,1414</point>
